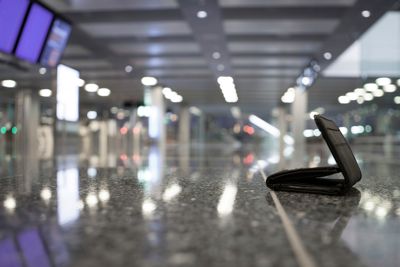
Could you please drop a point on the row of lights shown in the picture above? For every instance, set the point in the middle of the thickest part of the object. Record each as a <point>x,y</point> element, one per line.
<point>228,89</point>
<point>370,91</point>
<point>355,130</point>
<point>167,92</point>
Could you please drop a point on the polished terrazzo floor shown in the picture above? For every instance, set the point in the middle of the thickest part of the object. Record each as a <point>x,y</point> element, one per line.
<point>204,206</point>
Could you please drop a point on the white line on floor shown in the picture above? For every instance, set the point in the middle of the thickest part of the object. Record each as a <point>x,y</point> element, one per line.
<point>303,257</point>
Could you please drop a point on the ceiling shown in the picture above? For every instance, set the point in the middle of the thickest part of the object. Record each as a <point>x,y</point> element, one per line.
<point>263,44</point>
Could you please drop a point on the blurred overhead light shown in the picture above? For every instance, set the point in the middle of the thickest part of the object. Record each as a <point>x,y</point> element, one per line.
<point>220,67</point>
<point>397,100</point>
<point>149,81</point>
<point>327,56</point>
<point>81,82</point>
<point>366,13</point>
<point>225,80</point>
<point>91,87</point>
<point>202,14</point>
<point>9,83</point>
<point>370,86</point>
<point>343,100</point>
<point>128,68</point>
<point>45,92</point>
<point>360,100</point>
<point>398,82</point>
<point>104,92</point>
<point>359,91</point>
<point>368,97</point>
<point>306,81</point>
<point>166,91</point>
<point>42,71</point>
<point>352,96</point>
<point>91,115</point>
<point>389,88</point>
<point>378,93</point>
<point>383,81</point>
<point>289,96</point>
<point>216,55</point>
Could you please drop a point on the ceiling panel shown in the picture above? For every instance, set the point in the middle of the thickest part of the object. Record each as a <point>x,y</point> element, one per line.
<point>274,3</point>
<point>155,48</point>
<point>170,61</point>
<point>269,61</point>
<point>280,27</point>
<point>274,47</point>
<point>143,29</point>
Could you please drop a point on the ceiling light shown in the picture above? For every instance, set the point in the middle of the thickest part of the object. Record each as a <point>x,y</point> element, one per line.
<point>397,100</point>
<point>370,86</point>
<point>360,100</point>
<point>216,55</point>
<point>45,92</point>
<point>177,99</point>
<point>104,92</point>
<point>81,82</point>
<point>91,115</point>
<point>306,81</point>
<point>366,13</point>
<point>383,81</point>
<point>42,71</point>
<point>378,93</point>
<point>149,81</point>
<point>166,91</point>
<point>389,88</point>
<point>9,83</point>
<point>128,68</point>
<point>368,97</point>
<point>359,91</point>
<point>225,80</point>
<point>352,96</point>
<point>343,99</point>
<point>202,14</point>
<point>91,87</point>
<point>327,56</point>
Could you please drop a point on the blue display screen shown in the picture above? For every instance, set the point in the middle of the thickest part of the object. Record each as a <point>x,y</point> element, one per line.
<point>12,14</point>
<point>56,43</point>
<point>34,33</point>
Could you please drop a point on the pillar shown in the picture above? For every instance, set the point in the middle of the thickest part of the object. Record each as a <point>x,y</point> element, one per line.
<point>184,126</point>
<point>157,132</point>
<point>299,117</point>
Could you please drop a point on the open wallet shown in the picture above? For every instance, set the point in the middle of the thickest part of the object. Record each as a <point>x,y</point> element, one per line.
<point>319,180</point>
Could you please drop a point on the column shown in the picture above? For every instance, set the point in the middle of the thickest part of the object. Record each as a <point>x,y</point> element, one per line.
<point>157,131</point>
<point>184,126</point>
<point>299,117</point>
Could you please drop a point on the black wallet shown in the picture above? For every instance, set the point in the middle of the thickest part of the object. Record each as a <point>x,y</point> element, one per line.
<point>315,180</point>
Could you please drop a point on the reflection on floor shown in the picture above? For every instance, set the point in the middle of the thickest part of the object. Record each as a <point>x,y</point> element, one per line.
<point>204,206</point>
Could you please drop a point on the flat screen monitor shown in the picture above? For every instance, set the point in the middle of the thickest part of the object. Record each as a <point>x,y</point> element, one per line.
<point>56,43</point>
<point>34,33</point>
<point>12,14</point>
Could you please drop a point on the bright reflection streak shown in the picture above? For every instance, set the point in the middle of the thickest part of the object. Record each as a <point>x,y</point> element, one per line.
<point>270,129</point>
<point>104,195</point>
<point>171,192</point>
<point>67,196</point>
<point>45,194</point>
<point>10,203</point>
<point>227,200</point>
<point>148,207</point>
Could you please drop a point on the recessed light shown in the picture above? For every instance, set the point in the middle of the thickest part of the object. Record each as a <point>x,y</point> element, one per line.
<point>81,82</point>
<point>128,68</point>
<point>42,71</point>
<point>327,55</point>
<point>370,87</point>
<point>343,99</point>
<point>397,100</point>
<point>149,81</point>
<point>216,55</point>
<point>45,92</point>
<point>202,14</point>
<point>104,92</point>
<point>366,13</point>
<point>368,97</point>
<point>9,83</point>
<point>91,87</point>
<point>389,88</point>
<point>91,115</point>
